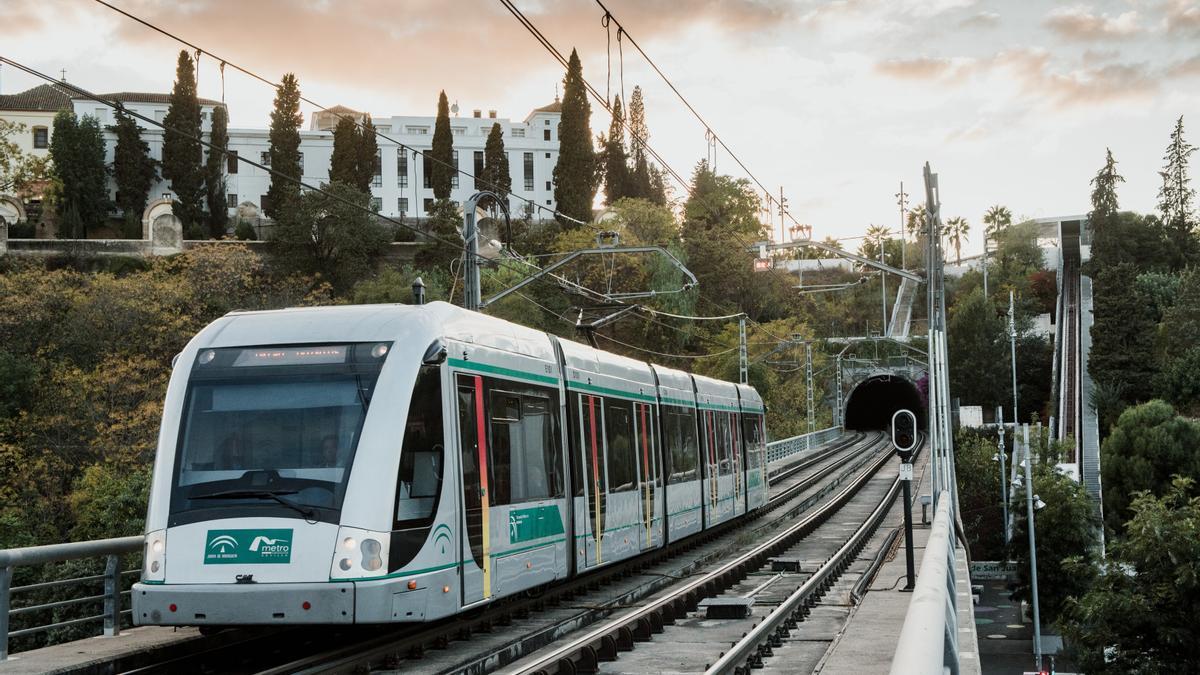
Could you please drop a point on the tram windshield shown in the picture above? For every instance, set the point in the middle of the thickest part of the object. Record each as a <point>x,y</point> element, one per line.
<point>272,429</point>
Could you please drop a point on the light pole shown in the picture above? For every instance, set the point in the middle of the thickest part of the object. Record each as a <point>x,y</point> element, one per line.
<point>1012,337</point>
<point>1027,460</point>
<point>1003,478</point>
<point>985,264</point>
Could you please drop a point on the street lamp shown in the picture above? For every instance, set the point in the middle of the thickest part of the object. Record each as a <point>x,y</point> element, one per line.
<point>1030,498</point>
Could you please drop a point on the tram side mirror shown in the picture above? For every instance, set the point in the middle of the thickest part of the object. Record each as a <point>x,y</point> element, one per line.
<point>904,434</point>
<point>435,354</point>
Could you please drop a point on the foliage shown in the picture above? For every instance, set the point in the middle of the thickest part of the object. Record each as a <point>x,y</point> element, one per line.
<point>443,225</point>
<point>1180,326</point>
<point>1104,193</point>
<point>612,158</point>
<point>1176,198</point>
<point>245,231</point>
<point>134,171</point>
<point>977,339</point>
<point>329,234</point>
<point>395,285</point>
<point>284,193</point>
<point>1158,291</point>
<point>1108,400</point>
<point>645,179</point>
<point>575,173</point>
<point>17,377</point>
<point>1130,238</point>
<point>1122,334</point>
<point>370,163</point>
<point>77,150</point>
<point>1149,445</point>
<point>1016,257</point>
<point>1139,614</point>
<point>1066,532</point>
<point>995,220</point>
<point>495,175</point>
<point>442,169</point>
<point>182,154</point>
<point>1043,286</point>
<point>1179,381</point>
<point>355,154</point>
<point>956,233</point>
<point>979,499</point>
<point>214,173</point>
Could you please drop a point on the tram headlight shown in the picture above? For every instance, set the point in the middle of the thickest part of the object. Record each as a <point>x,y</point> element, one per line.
<point>154,565</point>
<point>359,554</point>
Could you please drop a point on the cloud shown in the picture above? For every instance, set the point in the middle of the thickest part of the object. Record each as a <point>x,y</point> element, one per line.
<point>1182,17</point>
<point>1186,68</point>
<point>1037,73</point>
<point>982,20</point>
<point>919,68</point>
<point>1079,24</point>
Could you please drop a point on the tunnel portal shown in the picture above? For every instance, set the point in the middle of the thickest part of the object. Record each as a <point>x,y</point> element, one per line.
<point>872,403</point>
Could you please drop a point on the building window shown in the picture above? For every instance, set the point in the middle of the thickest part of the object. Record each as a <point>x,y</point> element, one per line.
<point>479,171</point>
<point>264,203</point>
<point>231,200</point>
<point>401,168</point>
<point>231,161</point>
<point>458,131</point>
<point>548,188</point>
<point>402,205</point>
<point>547,155</point>
<point>454,172</point>
<point>417,131</point>
<point>301,163</point>
<point>427,169</point>
<point>545,134</point>
<point>427,205</point>
<point>376,204</point>
<point>377,179</point>
<point>529,172</point>
<point>41,137</point>
<point>547,122</point>
<point>547,202</point>
<point>518,133</point>
<point>264,158</point>
<point>203,116</point>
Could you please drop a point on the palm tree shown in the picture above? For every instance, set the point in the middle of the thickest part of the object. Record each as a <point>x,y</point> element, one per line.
<point>873,242</point>
<point>997,218</point>
<point>956,234</point>
<point>916,221</point>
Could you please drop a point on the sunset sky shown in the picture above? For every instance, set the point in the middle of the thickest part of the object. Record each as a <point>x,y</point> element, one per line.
<point>1011,102</point>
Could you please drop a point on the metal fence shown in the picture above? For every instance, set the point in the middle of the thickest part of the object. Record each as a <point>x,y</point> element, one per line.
<point>787,447</point>
<point>111,600</point>
<point>929,639</point>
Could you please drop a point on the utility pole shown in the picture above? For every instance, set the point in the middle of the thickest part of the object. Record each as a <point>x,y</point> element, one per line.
<point>1003,472</point>
<point>902,200</point>
<point>883,288</point>
<point>472,292</point>
<point>808,374</point>
<point>838,415</point>
<point>782,211</point>
<point>743,361</point>
<point>1012,337</point>
<point>985,263</point>
<point>1037,619</point>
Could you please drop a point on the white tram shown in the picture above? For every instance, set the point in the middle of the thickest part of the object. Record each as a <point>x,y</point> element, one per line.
<point>391,463</point>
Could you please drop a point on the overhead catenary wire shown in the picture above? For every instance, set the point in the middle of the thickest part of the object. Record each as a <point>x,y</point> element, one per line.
<point>361,125</point>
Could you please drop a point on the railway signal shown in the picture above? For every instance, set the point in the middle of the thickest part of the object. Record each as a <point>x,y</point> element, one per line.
<point>904,439</point>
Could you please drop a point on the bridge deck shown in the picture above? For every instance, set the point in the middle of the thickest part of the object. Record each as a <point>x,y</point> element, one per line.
<point>97,652</point>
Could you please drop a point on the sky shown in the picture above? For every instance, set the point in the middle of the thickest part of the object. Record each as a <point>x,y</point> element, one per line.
<point>836,102</point>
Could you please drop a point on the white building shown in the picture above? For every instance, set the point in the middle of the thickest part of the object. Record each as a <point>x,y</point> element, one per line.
<point>401,189</point>
<point>35,108</point>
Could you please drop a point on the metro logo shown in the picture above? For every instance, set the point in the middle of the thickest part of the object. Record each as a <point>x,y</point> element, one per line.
<point>224,547</point>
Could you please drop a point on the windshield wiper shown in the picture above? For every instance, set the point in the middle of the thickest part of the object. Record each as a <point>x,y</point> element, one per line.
<point>276,495</point>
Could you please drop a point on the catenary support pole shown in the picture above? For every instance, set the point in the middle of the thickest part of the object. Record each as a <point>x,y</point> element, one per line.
<point>743,361</point>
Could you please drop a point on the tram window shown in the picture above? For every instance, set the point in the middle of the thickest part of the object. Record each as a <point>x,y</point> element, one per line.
<point>422,454</point>
<point>591,431</point>
<point>724,444</point>
<point>525,457</point>
<point>752,431</point>
<point>679,426</point>
<point>622,455</point>
<point>647,452</point>
<point>472,490</point>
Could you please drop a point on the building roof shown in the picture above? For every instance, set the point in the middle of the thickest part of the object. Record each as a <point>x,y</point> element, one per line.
<point>144,97</point>
<point>555,107</point>
<point>48,97</point>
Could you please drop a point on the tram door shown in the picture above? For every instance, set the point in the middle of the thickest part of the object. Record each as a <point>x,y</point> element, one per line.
<point>595,475</point>
<point>476,564</point>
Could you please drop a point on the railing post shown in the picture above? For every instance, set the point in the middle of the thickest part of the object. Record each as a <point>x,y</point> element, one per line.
<point>5,585</point>
<point>112,596</point>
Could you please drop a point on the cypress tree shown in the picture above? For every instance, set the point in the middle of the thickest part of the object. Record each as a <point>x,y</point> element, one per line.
<point>1122,334</point>
<point>1103,218</point>
<point>214,173</point>
<point>77,150</point>
<point>182,154</point>
<point>442,155</point>
<point>575,173</point>
<point>616,171</point>
<point>495,164</point>
<point>368,156</point>
<point>343,163</point>
<point>133,170</point>
<point>1176,196</point>
<point>640,179</point>
<point>285,148</point>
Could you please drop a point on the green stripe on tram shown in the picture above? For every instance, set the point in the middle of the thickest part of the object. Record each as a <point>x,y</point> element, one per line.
<point>500,370</point>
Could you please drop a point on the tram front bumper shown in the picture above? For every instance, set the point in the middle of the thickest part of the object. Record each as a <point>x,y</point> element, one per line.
<point>242,604</point>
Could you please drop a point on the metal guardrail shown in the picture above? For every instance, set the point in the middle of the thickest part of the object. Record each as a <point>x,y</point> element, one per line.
<point>933,610</point>
<point>784,448</point>
<point>110,549</point>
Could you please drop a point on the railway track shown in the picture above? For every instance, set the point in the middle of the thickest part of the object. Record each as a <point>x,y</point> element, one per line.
<point>584,600</point>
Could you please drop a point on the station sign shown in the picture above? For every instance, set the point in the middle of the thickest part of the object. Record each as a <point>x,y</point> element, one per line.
<point>763,264</point>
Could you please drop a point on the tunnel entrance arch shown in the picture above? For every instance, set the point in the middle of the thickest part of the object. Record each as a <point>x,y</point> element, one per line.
<point>873,401</point>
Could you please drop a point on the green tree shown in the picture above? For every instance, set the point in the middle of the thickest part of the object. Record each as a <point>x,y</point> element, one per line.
<point>442,169</point>
<point>956,232</point>
<point>395,285</point>
<point>575,173</point>
<point>445,242</point>
<point>333,236</point>
<point>343,162</point>
<point>1139,614</point>
<point>134,171</point>
<point>1176,198</point>
<point>495,175</point>
<point>77,150</point>
<point>369,160</point>
<point>1149,445</point>
<point>182,155</point>
<point>979,493</point>
<point>1122,333</point>
<point>616,169</point>
<point>996,219</point>
<point>214,173</point>
<point>1066,529</point>
<point>1179,381</point>
<point>286,119</point>
<point>977,339</point>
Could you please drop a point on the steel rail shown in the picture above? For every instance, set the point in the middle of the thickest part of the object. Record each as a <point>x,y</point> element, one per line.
<point>603,642</point>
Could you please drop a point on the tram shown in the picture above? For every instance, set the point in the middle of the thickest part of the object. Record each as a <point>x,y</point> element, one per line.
<point>394,463</point>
